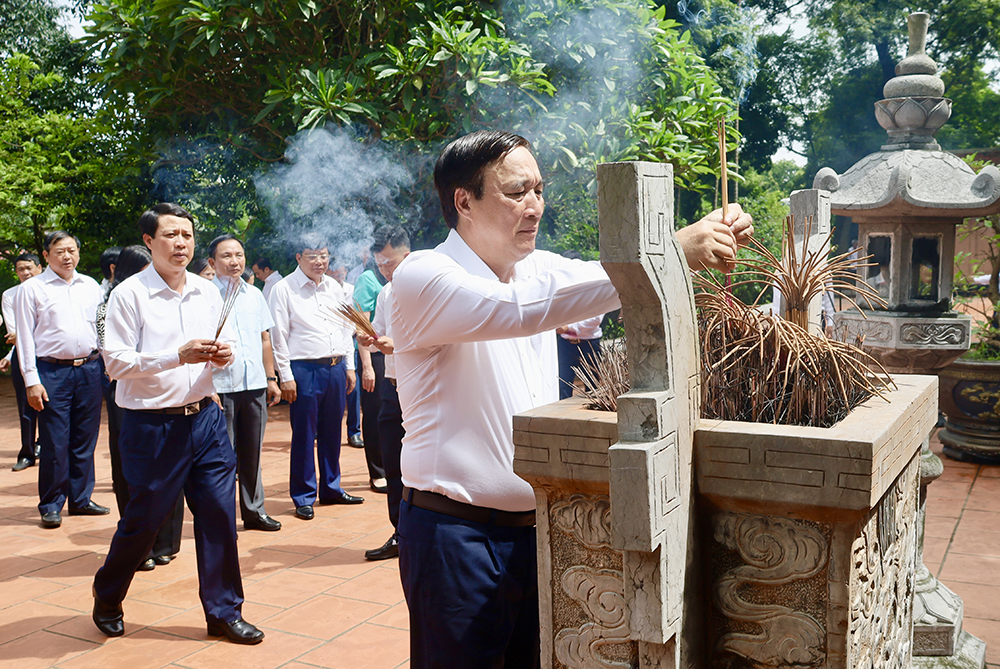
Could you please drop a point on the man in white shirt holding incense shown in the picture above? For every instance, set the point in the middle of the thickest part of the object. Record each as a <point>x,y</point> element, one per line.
<point>165,331</point>
<point>472,324</point>
<point>314,354</point>
<point>56,325</point>
<point>249,385</point>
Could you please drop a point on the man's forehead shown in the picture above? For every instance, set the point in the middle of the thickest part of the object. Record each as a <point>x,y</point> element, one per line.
<point>171,223</point>
<point>231,245</point>
<point>319,250</point>
<point>518,166</point>
<point>65,242</point>
<point>24,264</point>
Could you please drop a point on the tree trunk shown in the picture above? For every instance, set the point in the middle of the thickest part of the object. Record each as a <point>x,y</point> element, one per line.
<point>885,60</point>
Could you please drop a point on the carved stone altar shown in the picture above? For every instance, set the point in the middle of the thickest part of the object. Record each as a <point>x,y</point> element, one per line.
<point>811,534</point>
<point>802,550</point>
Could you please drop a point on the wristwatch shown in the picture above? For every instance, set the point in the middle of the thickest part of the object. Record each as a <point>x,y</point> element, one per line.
<point>272,378</point>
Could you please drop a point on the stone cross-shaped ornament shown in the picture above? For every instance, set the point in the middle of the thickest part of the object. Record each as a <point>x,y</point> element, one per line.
<point>651,469</point>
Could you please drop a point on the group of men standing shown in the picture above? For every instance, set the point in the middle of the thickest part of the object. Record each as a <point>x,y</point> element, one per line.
<point>465,341</point>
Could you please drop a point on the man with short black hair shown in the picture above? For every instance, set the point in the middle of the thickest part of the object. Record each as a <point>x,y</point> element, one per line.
<point>26,265</point>
<point>57,349</point>
<point>268,277</point>
<point>314,355</point>
<point>161,343</point>
<point>391,246</point>
<point>473,321</point>
<point>249,385</point>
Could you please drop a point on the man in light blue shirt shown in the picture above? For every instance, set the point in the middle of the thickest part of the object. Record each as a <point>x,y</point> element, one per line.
<point>249,385</point>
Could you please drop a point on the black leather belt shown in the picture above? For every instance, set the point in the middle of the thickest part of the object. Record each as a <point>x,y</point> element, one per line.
<point>432,501</point>
<point>186,410</point>
<point>335,360</point>
<point>75,362</point>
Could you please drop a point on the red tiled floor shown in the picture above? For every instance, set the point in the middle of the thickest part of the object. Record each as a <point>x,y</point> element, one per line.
<point>309,587</point>
<point>290,579</point>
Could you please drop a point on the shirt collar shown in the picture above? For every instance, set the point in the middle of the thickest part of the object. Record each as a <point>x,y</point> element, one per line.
<point>273,277</point>
<point>299,279</point>
<point>156,284</point>
<point>50,276</point>
<point>458,250</point>
<point>223,287</point>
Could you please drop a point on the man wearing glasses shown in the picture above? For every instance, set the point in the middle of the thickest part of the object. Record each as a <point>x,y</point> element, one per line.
<point>314,355</point>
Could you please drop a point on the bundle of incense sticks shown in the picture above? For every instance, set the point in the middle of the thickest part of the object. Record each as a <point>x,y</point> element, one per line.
<point>232,292</point>
<point>352,316</point>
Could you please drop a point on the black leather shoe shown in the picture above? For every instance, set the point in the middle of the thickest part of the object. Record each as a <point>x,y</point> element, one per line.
<point>162,559</point>
<point>51,519</point>
<point>343,498</point>
<point>238,631</point>
<point>91,509</point>
<point>304,512</point>
<point>381,487</point>
<point>22,463</point>
<point>264,523</point>
<point>147,565</point>
<point>389,549</point>
<point>108,618</point>
<point>38,449</point>
<point>355,441</point>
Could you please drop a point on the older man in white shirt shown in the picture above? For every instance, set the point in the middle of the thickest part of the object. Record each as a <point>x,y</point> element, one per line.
<point>249,385</point>
<point>56,316</point>
<point>473,322</point>
<point>161,342</point>
<point>314,353</point>
<point>26,265</point>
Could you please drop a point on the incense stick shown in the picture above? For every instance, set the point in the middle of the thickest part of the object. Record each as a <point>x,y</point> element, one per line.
<point>724,174</point>
<point>232,292</point>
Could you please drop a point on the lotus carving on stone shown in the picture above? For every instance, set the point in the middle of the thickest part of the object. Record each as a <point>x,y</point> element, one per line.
<point>913,114</point>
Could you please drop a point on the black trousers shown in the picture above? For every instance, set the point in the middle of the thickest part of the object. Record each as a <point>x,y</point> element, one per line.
<point>27,415</point>
<point>371,403</point>
<point>246,418</point>
<point>168,538</point>
<point>162,455</point>
<point>391,432</point>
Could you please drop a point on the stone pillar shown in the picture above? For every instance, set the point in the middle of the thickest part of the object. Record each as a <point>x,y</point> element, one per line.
<point>614,492</point>
<point>938,637</point>
<point>810,212</point>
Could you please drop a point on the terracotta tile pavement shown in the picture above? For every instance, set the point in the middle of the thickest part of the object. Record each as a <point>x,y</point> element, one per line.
<point>309,587</point>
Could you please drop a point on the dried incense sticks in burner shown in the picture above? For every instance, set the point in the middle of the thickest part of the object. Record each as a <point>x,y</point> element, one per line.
<point>228,302</point>
<point>761,368</point>
<point>352,316</point>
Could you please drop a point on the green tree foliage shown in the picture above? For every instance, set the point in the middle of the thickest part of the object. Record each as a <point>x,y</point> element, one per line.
<point>58,170</point>
<point>585,80</point>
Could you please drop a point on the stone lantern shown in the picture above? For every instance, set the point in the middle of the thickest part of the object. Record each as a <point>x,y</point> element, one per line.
<point>907,200</point>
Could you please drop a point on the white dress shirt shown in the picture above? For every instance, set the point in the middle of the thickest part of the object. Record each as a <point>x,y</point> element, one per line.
<point>305,324</point>
<point>589,328</point>
<point>7,308</point>
<point>383,326</point>
<point>471,352</point>
<point>55,318</point>
<point>249,318</point>
<point>269,283</point>
<point>146,323</point>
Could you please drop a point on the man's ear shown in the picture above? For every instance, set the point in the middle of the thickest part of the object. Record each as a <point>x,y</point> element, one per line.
<point>463,199</point>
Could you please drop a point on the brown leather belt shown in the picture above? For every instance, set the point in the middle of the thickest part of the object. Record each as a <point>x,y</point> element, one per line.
<point>391,380</point>
<point>432,501</point>
<point>186,410</point>
<point>75,362</point>
<point>335,360</point>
